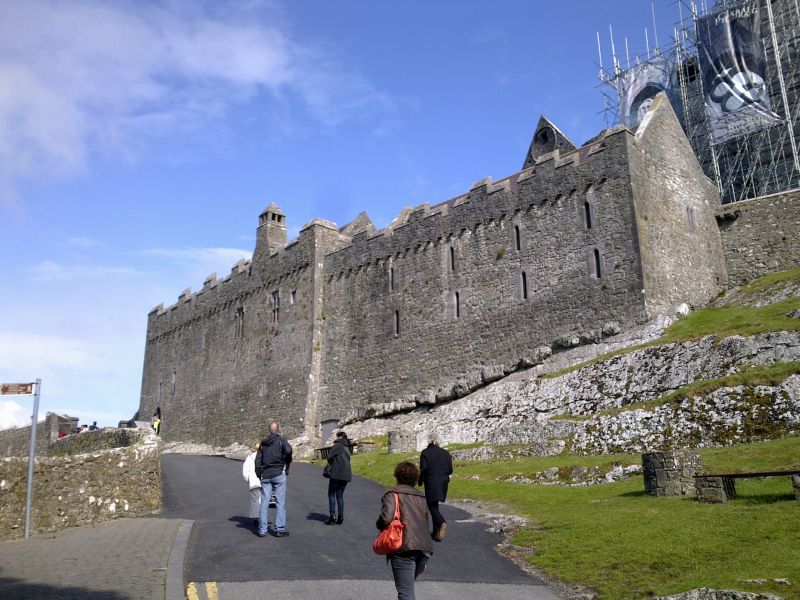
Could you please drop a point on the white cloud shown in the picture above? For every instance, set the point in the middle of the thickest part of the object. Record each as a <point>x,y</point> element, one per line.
<point>84,76</point>
<point>197,255</point>
<point>31,353</point>
<point>13,415</point>
<point>50,271</point>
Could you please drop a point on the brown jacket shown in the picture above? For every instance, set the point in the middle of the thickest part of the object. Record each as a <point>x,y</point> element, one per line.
<point>413,513</point>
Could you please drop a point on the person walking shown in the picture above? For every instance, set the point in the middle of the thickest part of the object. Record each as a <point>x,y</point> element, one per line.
<point>409,562</point>
<point>273,459</point>
<point>156,421</point>
<point>340,475</point>
<point>435,467</point>
<point>253,482</point>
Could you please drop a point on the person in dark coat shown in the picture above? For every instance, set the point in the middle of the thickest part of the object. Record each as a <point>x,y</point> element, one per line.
<point>409,562</point>
<point>272,462</point>
<point>341,473</point>
<point>435,468</point>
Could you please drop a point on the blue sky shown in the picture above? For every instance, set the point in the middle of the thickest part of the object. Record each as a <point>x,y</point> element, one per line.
<point>139,141</point>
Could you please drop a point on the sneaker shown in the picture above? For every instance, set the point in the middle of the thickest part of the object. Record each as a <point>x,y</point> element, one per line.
<point>262,534</point>
<point>441,532</point>
<point>281,534</point>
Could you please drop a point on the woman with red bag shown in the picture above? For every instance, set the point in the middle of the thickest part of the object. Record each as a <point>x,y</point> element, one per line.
<point>408,562</point>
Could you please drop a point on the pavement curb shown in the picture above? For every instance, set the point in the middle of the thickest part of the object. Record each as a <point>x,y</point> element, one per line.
<point>177,556</point>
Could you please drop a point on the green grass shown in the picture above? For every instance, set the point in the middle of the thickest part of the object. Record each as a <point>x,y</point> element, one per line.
<point>624,544</point>
<point>723,321</point>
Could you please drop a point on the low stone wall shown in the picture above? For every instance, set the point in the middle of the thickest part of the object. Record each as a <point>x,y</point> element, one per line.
<point>16,441</point>
<point>670,473</point>
<point>81,489</point>
<point>760,236</point>
<point>95,441</point>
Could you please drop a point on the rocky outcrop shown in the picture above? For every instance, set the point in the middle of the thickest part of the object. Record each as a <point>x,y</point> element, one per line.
<point>545,412</point>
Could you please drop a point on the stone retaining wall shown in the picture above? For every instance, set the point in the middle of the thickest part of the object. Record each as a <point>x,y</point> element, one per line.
<point>81,489</point>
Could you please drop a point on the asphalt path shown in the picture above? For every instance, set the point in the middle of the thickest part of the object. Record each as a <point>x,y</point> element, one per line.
<point>224,548</point>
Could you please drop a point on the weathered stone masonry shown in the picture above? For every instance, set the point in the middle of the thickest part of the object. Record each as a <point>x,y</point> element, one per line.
<point>614,232</point>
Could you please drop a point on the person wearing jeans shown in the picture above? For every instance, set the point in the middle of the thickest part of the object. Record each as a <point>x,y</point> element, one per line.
<point>268,486</point>
<point>340,474</point>
<point>273,459</point>
<point>409,562</point>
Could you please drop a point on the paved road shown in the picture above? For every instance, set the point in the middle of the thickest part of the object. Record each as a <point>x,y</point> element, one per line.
<point>225,551</point>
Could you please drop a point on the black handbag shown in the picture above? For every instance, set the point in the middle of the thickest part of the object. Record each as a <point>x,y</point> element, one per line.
<point>326,472</point>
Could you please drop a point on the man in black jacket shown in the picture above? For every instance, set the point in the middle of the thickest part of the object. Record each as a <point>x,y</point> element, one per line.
<point>273,459</point>
<point>435,467</point>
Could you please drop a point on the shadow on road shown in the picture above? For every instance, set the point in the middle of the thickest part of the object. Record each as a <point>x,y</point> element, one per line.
<point>17,589</point>
<point>315,516</point>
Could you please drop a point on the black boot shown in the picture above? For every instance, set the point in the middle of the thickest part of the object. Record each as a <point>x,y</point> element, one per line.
<point>331,520</point>
<point>340,520</point>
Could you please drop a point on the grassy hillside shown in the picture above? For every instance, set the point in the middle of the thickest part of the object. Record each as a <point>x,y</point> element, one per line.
<point>625,544</point>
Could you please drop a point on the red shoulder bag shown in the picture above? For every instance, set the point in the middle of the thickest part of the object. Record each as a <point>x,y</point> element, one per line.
<point>390,540</point>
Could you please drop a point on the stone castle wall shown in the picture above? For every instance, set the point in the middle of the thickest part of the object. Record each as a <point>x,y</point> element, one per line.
<point>611,233</point>
<point>761,236</point>
<point>220,380</point>
<point>453,277</point>
<point>681,250</point>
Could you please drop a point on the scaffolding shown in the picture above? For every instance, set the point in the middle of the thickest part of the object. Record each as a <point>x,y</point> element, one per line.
<point>761,162</point>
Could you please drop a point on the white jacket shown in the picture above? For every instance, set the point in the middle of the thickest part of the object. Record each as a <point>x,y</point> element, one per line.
<point>249,471</point>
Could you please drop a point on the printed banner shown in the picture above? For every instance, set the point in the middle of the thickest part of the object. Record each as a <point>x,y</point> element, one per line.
<point>733,62</point>
<point>640,84</point>
<point>14,389</point>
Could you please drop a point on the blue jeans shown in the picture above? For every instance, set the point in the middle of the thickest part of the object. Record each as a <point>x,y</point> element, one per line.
<point>278,484</point>
<point>336,495</point>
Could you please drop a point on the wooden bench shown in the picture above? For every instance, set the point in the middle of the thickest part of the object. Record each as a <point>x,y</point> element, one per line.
<point>720,487</point>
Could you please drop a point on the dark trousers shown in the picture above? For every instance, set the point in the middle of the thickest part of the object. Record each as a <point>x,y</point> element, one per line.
<point>336,495</point>
<point>406,567</point>
<point>438,519</point>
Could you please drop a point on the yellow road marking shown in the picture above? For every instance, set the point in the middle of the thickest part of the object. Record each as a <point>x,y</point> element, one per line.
<point>211,590</point>
<point>194,591</point>
<point>191,591</point>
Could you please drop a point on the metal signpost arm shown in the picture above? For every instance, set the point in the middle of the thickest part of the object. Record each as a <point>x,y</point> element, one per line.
<point>31,455</point>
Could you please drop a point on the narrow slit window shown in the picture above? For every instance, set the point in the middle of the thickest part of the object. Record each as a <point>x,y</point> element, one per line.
<point>174,374</point>
<point>276,306</point>
<point>597,271</point>
<point>391,278</point>
<point>458,305</point>
<point>293,297</point>
<point>452,259</point>
<point>397,322</point>
<point>587,211</point>
<point>239,322</point>
<point>517,238</point>
<point>524,283</point>
<point>690,219</point>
